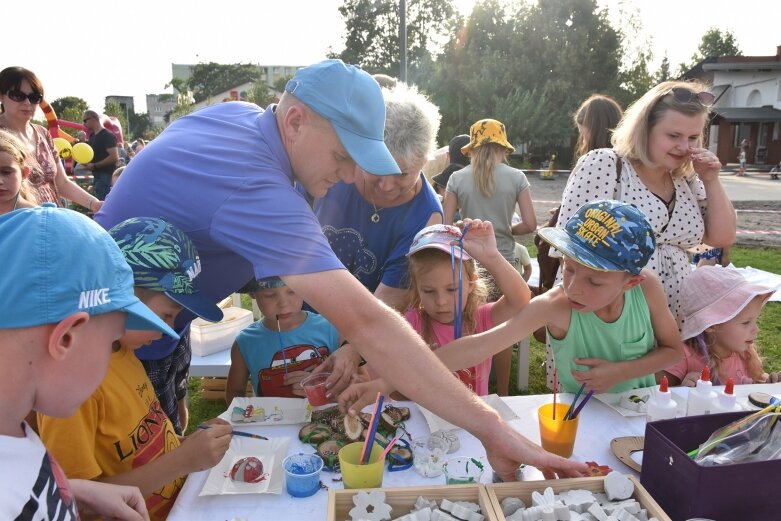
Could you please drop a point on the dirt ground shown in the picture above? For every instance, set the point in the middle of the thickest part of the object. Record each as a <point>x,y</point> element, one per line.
<point>547,193</point>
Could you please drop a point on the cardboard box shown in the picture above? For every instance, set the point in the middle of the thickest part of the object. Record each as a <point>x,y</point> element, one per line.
<point>207,338</point>
<point>401,499</point>
<point>686,490</point>
<point>523,490</point>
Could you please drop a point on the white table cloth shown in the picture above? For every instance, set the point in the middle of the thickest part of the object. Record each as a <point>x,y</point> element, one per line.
<point>598,425</point>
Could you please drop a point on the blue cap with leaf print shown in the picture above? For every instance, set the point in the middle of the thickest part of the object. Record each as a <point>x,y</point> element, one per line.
<point>164,259</point>
<point>605,236</point>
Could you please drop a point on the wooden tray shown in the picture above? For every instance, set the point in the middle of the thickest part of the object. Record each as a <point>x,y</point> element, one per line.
<point>523,489</point>
<point>401,499</point>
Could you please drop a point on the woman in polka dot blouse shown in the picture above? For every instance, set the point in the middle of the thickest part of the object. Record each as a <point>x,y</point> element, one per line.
<point>666,174</point>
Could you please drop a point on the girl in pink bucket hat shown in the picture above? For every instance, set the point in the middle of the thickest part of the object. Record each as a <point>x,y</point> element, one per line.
<point>718,319</point>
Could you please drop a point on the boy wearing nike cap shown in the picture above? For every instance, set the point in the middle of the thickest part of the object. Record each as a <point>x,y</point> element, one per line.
<point>608,322</point>
<point>121,434</point>
<point>67,295</point>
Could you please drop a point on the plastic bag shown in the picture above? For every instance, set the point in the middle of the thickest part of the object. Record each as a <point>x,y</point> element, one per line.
<point>754,438</point>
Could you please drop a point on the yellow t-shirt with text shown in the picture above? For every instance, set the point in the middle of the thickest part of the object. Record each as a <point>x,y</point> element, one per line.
<point>120,427</point>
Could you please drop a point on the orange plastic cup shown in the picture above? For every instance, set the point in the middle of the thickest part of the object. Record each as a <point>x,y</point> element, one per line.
<point>557,436</point>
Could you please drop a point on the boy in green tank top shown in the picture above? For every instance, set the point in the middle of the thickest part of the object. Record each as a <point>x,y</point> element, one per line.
<point>608,323</point>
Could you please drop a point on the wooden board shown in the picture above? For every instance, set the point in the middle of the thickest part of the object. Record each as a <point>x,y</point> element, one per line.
<point>401,499</point>
<point>523,490</point>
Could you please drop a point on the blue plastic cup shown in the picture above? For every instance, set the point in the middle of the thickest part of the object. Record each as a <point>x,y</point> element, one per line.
<point>302,474</point>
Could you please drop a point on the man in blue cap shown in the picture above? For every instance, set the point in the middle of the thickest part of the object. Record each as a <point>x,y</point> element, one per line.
<point>226,175</point>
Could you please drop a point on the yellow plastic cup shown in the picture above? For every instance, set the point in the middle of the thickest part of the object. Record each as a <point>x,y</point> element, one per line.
<point>355,475</point>
<point>557,436</point>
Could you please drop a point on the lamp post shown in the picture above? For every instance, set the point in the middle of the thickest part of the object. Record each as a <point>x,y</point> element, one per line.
<point>403,40</point>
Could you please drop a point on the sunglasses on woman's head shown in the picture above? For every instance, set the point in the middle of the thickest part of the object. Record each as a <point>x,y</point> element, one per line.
<point>682,95</point>
<point>20,96</point>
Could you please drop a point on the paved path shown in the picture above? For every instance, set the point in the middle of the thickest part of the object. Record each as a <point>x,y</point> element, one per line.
<point>756,197</point>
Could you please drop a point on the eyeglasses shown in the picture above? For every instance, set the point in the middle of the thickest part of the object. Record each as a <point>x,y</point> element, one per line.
<point>20,96</point>
<point>682,95</point>
<point>86,119</point>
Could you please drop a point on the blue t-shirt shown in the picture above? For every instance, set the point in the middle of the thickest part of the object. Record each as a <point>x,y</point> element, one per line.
<point>262,348</point>
<point>222,176</point>
<point>374,252</point>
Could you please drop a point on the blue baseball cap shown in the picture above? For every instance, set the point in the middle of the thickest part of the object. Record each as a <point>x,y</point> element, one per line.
<point>352,101</point>
<point>605,236</point>
<point>163,258</point>
<point>57,262</point>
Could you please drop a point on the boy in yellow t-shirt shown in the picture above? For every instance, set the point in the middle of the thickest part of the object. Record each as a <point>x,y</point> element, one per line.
<point>121,434</point>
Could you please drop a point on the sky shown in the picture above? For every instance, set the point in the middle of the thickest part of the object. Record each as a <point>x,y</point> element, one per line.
<point>93,48</point>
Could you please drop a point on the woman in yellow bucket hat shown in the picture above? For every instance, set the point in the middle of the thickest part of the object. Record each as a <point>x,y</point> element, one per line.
<point>488,189</point>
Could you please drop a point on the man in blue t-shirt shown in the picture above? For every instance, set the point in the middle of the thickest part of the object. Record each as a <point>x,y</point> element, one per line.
<point>226,176</point>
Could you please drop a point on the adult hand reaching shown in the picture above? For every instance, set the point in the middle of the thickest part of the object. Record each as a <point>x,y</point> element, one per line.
<point>342,364</point>
<point>510,450</point>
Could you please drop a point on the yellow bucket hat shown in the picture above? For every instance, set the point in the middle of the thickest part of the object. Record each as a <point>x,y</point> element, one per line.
<point>487,131</point>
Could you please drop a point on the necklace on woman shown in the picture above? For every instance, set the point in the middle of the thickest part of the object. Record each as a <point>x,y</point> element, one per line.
<point>375,218</point>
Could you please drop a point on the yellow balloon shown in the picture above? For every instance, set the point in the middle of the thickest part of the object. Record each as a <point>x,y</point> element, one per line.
<point>63,147</point>
<point>83,153</point>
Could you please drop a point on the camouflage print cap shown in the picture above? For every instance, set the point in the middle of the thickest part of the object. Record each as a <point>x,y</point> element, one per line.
<point>605,236</point>
<point>164,259</point>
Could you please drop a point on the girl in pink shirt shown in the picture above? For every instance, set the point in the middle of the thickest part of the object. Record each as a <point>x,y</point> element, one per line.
<point>435,259</point>
<point>718,317</point>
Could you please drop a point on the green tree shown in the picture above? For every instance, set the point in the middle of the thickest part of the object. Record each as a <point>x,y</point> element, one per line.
<point>372,38</point>
<point>69,108</point>
<point>663,74</point>
<point>529,67</point>
<point>714,43</point>
<point>279,83</point>
<point>140,124</point>
<point>114,109</point>
<point>211,78</point>
<point>260,94</point>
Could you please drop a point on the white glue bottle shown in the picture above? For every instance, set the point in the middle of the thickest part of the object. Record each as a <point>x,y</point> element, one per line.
<point>702,397</point>
<point>661,405</point>
<point>726,401</point>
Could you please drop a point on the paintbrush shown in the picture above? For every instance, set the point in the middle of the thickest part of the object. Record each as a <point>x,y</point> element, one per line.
<point>237,433</point>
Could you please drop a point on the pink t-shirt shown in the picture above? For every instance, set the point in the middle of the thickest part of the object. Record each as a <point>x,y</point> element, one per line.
<point>693,361</point>
<point>476,377</point>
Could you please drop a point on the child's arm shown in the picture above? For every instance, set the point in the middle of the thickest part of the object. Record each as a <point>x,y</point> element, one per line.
<point>669,349</point>
<point>109,501</point>
<point>527,272</point>
<point>473,349</point>
<point>201,450</point>
<point>480,243</point>
<point>237,375</point>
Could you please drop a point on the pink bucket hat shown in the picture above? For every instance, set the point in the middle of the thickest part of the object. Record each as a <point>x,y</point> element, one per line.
<point>712,295</point>
<point>440,237</point>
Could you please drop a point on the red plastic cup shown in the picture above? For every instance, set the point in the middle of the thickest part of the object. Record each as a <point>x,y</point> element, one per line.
<point>314,387</point>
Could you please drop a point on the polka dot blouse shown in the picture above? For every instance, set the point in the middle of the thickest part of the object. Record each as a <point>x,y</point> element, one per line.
<point>677,227</point>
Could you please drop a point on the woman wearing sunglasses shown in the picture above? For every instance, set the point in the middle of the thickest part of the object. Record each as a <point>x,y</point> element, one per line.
<point>666,173</point>
<point>20,94</point>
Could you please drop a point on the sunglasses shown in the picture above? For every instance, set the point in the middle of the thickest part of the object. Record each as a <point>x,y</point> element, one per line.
<point>20,96</point>
<point>86,119</point>
<point>682,95</point>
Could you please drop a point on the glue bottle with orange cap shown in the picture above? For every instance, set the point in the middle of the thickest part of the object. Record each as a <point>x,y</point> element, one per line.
<point>726,399</point>
<point>702,397</point>
<point>661,405</point>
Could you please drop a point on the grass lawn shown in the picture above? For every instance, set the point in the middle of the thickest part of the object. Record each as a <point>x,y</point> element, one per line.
<point>769,341</point>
